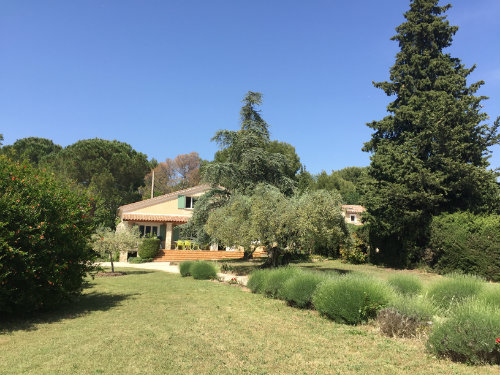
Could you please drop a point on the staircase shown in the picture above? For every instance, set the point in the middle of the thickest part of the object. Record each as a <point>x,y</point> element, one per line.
<point>181,255</point>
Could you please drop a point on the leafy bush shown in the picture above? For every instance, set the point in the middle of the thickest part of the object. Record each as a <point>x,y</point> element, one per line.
<point>185,268</point>
<point>453,289</point>
<point>299,289</point>
<point>44,231</point>
<point>466,242</point>
<point>406,284</point>
<point>203,270</point>
<point>468,335</point>
<point>257,280</point>
<point>149,247</point>
<point>355,252</point>
<point>275,280</point>
<point>405,316</point>
<point>351,299</point>
<point>137,260</point>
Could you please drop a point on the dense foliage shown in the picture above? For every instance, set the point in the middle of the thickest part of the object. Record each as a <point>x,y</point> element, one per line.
<point>112,169</point>
<point>468,335</point>
<point>351,299</point>
<point>149,247</point>
<point>171,175</point>
<point>185,268</point>
<point>31,149</point>
<point>454,289</point>
<point>465,242</point>
<point>311,222</point>
<point>44,232</point>
<point>202,270</point>
<point>109,243</point>
<point>430,154</point>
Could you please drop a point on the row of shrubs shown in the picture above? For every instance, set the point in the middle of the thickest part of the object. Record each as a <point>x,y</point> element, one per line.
<point>459,313</point>
<point>200,270</point>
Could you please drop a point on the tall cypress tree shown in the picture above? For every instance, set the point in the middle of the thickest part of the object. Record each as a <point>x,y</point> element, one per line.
<point>430,154</point>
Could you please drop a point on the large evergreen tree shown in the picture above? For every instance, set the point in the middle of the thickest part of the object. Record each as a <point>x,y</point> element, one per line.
<point>248,157</point>
<point>430,154</point>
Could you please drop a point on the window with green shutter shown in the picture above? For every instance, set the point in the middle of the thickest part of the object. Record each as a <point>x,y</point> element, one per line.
<point>181,201</point>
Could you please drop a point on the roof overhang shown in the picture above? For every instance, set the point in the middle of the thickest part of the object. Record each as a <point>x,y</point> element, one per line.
<point>157,218</point>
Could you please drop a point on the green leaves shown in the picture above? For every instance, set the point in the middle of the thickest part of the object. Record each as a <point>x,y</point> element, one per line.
<point>430,153</point>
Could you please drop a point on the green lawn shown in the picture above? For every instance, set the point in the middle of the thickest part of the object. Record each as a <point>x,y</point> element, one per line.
<point>154,322</point>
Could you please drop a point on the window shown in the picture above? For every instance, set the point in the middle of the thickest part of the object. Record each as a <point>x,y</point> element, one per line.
<point>353,218</point>
<point>148,230</point>
<point>190,202</point>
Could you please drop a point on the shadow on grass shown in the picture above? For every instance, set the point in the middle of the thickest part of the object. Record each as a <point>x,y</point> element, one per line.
<point>81,306</point>
<point>327,269</point>
<point>127,271</point>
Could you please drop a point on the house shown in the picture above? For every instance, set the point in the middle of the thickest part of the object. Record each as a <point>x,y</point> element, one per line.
<point>162,215</point>
<point>352,213</point>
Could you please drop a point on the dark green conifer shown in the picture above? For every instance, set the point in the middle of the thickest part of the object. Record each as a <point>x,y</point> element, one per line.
<point>430,154</point>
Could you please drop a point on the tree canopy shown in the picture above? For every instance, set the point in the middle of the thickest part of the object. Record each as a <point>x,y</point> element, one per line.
<point>32,149</point>
<point>112,169</point>
<point>175,174</point>
<point>247,156</point>
<point>430,154</point>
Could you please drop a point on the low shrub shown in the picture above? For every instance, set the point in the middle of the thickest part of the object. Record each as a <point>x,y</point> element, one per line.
<point>351,299</point>
<point>491,295</point>
<point>257,280</point>
<point>454,289</point>
<point>137,260</point>
<point>185,268</point>
<point>275,280</point>
<point>468,334</point>
<point>406,284</point>
<point>203,270</point>
<point>299,289</point>
<point>405,316</point>
<point>148,248</point>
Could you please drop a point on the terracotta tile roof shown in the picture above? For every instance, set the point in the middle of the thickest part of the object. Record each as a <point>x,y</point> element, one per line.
<point>353,208</point>
<point>158,218</point>
<point>161,198</point>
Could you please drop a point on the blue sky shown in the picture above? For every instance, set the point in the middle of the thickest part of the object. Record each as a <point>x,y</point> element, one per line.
<point>164,76</point>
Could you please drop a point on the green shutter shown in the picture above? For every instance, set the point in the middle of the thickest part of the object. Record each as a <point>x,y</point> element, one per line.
<point>163,232</point>
<point>175,234</point>
<point>181,201</point>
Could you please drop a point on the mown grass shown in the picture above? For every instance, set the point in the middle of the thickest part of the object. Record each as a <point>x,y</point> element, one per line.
<point>154,322</point>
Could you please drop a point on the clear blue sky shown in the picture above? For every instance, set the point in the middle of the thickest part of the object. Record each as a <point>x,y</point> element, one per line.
<point>163,75</point>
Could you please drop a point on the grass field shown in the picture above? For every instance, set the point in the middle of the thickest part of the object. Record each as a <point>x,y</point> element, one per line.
<point>154,322</point>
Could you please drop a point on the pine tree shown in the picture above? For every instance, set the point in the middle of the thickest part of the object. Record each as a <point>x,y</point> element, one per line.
<point>430,154</point>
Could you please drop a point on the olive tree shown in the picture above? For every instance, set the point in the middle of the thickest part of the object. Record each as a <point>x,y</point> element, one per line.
<point>109,243</point>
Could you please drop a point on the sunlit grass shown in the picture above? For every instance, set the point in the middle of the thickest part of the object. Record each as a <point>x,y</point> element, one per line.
<point>159,323</point>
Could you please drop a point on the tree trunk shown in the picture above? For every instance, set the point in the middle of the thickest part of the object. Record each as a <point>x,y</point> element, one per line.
<point>111,260</point>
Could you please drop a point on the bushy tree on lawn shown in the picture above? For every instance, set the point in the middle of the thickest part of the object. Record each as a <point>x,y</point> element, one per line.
<point>430,154</point>
<point>108,242</point>
<point>44,232</point>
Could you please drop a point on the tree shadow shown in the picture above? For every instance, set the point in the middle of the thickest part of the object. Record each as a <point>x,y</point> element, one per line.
<point>81,306</point>
<point>128,271</point>
<point>327,269</point>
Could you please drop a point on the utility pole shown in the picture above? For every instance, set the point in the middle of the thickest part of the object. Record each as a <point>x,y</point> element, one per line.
<point>153,183</point>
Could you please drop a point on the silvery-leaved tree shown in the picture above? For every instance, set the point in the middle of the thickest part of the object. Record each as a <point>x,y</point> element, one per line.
<point>108,243</point>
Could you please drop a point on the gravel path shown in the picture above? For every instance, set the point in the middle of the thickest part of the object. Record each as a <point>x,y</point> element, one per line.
<point>167,267</point>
